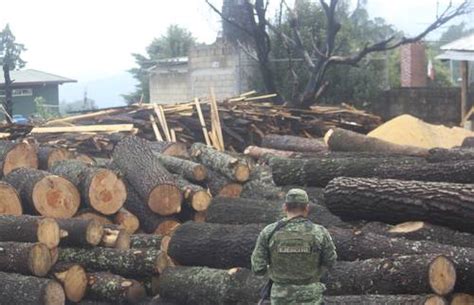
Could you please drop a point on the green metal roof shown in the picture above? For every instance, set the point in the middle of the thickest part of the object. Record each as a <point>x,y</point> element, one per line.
<point>30,76</point>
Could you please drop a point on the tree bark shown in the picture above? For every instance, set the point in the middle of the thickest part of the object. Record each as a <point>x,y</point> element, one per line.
<point>29,290</point>
<point>139,241</point>
<point>258,152</point>
<point>105,286</point>
<point>292,143</point>
<point>344,140</point>
<point>194,195</point>
<point>468,142</point>
<point>229,166</point>
<point>385,300</point>
<point>221,186</point>
<point>237,211</point>
<point>81,232</point>
<point>449,155</point>
<point>173,149</point>
<point>30,229</point>
<point>16,155</point>
<point>73,278</point>
<point>127,221</point>
<point>213,245</point>
<point>261,185</point>
<point>47,156</point>
<point>143,170</point>
<point>44,193</point>
<point>131,263</point>
<point>25,258</point>
<point>8,92</point>
<point>101,189</point>
<point>189,170</point>
<point>422,231</point>
<point>394,201</point>
<point>462,299</point>
<point>10,203</point>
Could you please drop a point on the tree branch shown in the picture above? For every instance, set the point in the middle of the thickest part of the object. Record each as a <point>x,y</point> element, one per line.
<point>216,10</point>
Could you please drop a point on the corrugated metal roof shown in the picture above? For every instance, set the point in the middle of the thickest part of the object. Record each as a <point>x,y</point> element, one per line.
<point>456,55</point>
<point>29,76</point>
<point>465,44</point>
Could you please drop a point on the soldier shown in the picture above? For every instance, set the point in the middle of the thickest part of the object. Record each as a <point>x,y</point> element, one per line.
<point>296,253</point>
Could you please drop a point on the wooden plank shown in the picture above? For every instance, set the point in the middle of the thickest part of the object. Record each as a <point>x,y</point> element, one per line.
<point>87,128</point>
<point>167,130</point>
<point>262,97</point>
<point>160,120</point>
<point>464,89</point>
<point>84,116</point>
<point>155,129</point>
<point>202,121</point>
<point>217,121</point>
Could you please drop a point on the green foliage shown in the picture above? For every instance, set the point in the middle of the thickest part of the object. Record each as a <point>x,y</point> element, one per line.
<point>175,43</point>
<point>42,109</point>
<point>10,51</point>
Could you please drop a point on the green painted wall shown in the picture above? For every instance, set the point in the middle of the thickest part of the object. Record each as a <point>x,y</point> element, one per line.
<point>25,105</point>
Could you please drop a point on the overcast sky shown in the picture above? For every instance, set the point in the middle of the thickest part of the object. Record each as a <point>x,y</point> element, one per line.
<point>93,39</point>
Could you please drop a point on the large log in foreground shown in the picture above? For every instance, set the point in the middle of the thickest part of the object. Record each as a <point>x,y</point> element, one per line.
<point>105,286</point>
<point>101,189</point>
<point>73,279</point>
<point>10,203</point>
<point>293,143</point>
<point>345,140</point>
<point>29,290</point>
<point>44,193</point>
<point>16,155</point>
<point>395,201</point>
<point>25,258</point>
<point>143,170</point>
<point>30,229</point>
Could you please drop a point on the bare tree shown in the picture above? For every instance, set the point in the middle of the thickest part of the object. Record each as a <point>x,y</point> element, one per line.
<point>322,53</point>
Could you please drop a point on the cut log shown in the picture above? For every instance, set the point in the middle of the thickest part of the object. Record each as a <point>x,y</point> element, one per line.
<point>85,159</point>
<point>81,232</point>
<point>127,221</point>
<point>115,237</point>
<point>139,241</point>
<point>133,263</point>
<point>89,214</point>
<point>174,149</point>
<point>449,155</point>
<point>44,193</point>
<point>143,170</point>
<point>194,195</point>
<point>261,185</point>
<point>29,290</point>
<point>462,299</point>
<point>47,156</point>
<point>394,201</point>
<point>258,152</point>
<point>25,258</point>
<point>73,279</point>
<point>345,140</point>
<point>16,155</point>
<point>419,230</point>
<point>101,189</point>
<point>385,300</point>
<point>10,203</point>
<point>189,170</point>
<point>293,143</point>
<point>54,255</point>
<point>221,186</point>
<point>105,286</point>
<point>212,245</point>
<point>30,229</point>
<point>229,166</point>
<point>246,211</point>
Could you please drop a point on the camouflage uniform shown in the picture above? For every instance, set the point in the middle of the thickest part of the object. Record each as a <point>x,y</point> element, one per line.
<point>296,257</point>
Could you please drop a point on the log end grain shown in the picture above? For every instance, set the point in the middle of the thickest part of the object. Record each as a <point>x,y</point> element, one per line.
<point>163,261</point>
<point>10,203</point>
<point>435,300</point>
<point>241,172</point>
<point>55,155</point>
<point>165,199</point>
<point>107,192</point>
<point>54,196</point>
<point>442,275</point>
<point>407,227</point>
<point>462,299</point>
<point>39,260</point>
<point>165,242</point>
<point>21,155</point>
<point>75,283</point>
<point>118,239</point>
<point>167,227</point>
<point>127,221</point>
<point>201,201</point>
<point>91,215</point>
<point>199,173</point>
<point>231,190</point>
<point>94,233</point>
<point>48,232</point>
<point>54,294</point>
<point>176,150</point>
<point>135,292</point>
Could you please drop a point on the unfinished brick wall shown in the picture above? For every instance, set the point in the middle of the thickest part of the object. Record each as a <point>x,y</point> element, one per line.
<point>413,65</point>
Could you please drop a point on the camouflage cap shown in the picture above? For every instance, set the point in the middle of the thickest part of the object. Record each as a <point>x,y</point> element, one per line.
<point>297,196</point>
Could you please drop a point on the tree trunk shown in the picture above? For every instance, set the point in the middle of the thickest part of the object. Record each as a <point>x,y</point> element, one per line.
<point>422,231</point>
<point>258,152</point>
<point>344,140</point>
<point>47,156</point>
<point>105,286</point>
<point>231,167</point>
<point>173,149</point>
<point>213,245</point>
<point>194,195</point>
<point>449,155</point>
<point>44,193</point>
<point>394,201</point>
<point>10,203</point>
<point>261,185</point>
<point>16,155</point>
<point>81,232</point>
<point>73,278</point>
<point>29,290</point>
<point>237,211</point>
<point>25,258</point>
<point>30,229</point>
<point>132,263</point>
<point>101,189</point>
<point>127,221</point>
<point>143,170</point>
<point>385,300</point>
<point>189,170</point>
<point>319,171</point>
<point>292,143</point>
<point>139,241</point>
<point>8,92</point>
<point>221,186</point>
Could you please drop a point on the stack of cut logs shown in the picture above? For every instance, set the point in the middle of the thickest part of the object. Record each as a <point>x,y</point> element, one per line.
<point>181,222</point>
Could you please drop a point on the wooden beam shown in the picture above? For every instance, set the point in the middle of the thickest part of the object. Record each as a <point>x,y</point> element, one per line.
<point>84,116</point>
<point>464,89</point>
<point>87,128</point>
<point>203,122</point>
<point>158,136</point>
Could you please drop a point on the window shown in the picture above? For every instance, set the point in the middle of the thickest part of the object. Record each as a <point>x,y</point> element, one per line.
<point>19,92</point>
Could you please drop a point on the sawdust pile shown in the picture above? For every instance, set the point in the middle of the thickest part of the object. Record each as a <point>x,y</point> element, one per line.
<point>409,130</point>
